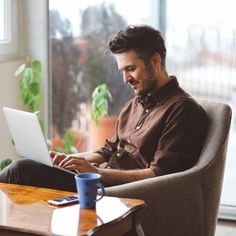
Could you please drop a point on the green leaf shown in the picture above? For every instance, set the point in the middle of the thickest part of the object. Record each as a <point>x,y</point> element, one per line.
<point>20,69</point>
<point>29,102</point>
<point>30,83</point>
<point>68,141</point>
<point>4,163</point>
<point>36,64</point>
<point>99,106</point>
<point>42,125</point>
<point>34,87</point>
<point>36,75</point>
<point>36,102</point>
<point>37,113</point>
<point>57,149</point>
<point>25,97</point>
<point>27,76</point>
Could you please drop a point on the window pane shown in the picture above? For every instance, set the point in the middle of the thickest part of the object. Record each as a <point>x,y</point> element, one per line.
<point>202,53</point>
<point>79,31</point>
<point>2,21</point>
<point>6,15</point>
<point>8,30</point>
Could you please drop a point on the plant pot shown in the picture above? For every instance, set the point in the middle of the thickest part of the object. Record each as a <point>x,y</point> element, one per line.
<point>56,144</point>
<point>104,130</point>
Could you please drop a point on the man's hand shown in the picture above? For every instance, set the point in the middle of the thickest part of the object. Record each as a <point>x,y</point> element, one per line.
<point>71,162</point>
<point>57,157</point>
<point>80,164</point>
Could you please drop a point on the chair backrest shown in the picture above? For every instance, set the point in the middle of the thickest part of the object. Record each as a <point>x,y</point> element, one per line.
<point>212,159</point>
<point>186,203</point>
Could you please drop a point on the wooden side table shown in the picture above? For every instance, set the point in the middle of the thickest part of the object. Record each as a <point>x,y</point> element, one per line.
<point>24,211</point>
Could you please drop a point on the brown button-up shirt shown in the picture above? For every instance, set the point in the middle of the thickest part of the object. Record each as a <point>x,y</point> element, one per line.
<point>163,130</point>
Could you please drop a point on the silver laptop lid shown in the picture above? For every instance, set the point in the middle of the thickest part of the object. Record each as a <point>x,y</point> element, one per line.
<point>27,135</point>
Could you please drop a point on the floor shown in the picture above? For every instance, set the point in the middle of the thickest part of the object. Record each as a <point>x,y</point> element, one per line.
<point>226,228</point>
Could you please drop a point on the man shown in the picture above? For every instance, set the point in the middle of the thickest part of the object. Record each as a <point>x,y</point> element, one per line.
<point>160,131</point>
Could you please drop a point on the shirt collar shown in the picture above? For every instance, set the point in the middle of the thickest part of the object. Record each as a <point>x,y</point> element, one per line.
<point>158,96</point>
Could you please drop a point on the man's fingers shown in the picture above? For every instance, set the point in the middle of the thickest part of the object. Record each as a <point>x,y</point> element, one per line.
<point>71,167</point>
<point>72,160</point>
<point>65,160</point>
<point>52,153</point>
<point>58,158</point>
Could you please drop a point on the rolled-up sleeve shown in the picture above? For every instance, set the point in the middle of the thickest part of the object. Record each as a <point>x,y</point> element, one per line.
<point>108,150</point>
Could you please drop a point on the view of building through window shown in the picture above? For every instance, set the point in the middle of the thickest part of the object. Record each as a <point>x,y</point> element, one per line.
<point>201,52</point>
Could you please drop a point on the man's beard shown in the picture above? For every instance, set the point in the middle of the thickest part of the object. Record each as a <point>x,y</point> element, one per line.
<point>151,85</point>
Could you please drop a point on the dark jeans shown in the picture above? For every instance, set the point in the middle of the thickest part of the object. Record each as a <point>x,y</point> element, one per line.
<point>29,172</point>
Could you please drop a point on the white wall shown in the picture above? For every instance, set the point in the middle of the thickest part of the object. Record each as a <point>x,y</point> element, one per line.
<point>9,96</point>
<point>36,35</point>
<point>32,32</point>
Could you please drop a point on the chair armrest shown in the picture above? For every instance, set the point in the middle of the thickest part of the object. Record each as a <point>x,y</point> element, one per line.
<point>156,186</point>
<point>171,200</point>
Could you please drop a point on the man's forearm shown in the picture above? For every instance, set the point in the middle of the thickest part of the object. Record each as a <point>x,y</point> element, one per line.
<point>113,176</point>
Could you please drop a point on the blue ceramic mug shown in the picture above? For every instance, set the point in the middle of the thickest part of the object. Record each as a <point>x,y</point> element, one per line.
<point>87,185</point>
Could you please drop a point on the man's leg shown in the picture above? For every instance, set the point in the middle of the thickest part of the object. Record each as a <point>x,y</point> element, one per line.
<point>29,172</point>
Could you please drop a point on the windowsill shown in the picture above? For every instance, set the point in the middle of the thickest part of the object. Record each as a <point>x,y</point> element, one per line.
<point>227,212</point>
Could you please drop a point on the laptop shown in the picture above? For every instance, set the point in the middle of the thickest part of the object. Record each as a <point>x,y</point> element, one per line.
<point>28,136</point>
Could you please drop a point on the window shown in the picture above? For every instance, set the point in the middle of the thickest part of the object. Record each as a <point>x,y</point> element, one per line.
<point>78,34</point>
<point>8,27</point>
<point>200,52</point>
<point>207,66</point>
<point>2,21</point>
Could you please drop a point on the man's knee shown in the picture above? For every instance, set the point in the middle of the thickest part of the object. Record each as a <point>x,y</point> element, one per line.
<point>21,166</point>
<point>16,172</point>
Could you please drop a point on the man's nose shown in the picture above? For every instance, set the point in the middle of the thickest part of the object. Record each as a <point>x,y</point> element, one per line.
<point>126,77</point>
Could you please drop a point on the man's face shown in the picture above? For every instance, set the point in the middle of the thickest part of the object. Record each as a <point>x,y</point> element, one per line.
<point>135,72</point>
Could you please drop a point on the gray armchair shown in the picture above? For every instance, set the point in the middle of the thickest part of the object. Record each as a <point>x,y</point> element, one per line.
<point>186,203</point>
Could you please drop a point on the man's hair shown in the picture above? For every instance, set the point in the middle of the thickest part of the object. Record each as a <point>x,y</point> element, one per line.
<point>143,39</point>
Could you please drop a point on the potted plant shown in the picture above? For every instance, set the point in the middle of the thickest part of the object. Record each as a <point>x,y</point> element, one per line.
<point>30,96</point>
<point>100,97</point>
<point>65,145</point>
<point>29,84</point>
<point>103,124</point>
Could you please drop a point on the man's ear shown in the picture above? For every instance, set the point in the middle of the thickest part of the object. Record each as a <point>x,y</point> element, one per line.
<point>156,60</point>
